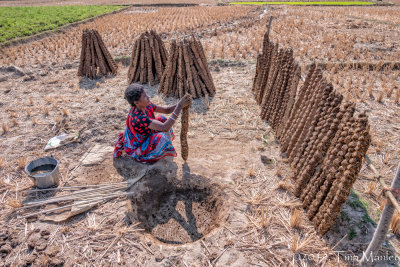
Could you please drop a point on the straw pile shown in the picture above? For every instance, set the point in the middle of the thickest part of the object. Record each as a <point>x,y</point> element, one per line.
<point>323,139</point>
<point>148,59</point>
<point>187,71</point>
<point>95,57</point>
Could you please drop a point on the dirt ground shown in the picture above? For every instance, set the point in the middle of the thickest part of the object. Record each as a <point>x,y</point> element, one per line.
<point>230,148</point>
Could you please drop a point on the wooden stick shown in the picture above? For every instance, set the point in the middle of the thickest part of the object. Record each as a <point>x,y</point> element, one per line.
<point>71,187</point>
<point>68,198</point>
<point>75,204</point>
<point>205,246</point>
<point>214,261</point>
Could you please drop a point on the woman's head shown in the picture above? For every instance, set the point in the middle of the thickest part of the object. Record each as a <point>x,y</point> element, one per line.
<point>136,96</point>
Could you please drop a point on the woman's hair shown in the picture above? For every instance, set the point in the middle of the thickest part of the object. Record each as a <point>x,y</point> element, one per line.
<point>133,93</point>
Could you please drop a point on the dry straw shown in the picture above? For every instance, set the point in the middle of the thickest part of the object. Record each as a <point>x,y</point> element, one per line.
<point>21,163</point>
<point>15,122</point>
<point>371,187</point>
<point>395,224</point>
<point>5,128</point>
<point>397,97</point>
<point>14,203</point>
<point>295,219</point>
<point>380,96</point>
<point>46,111</point>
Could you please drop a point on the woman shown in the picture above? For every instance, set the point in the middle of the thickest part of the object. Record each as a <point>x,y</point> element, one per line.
<point>146,138</point>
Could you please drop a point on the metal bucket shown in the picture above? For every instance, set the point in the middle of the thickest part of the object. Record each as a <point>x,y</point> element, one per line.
<point>44,172</point>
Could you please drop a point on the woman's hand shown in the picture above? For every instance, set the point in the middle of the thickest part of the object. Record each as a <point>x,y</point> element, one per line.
<point>185,100</point>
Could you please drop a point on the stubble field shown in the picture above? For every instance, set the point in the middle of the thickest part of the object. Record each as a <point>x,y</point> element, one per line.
<point>228,142</point>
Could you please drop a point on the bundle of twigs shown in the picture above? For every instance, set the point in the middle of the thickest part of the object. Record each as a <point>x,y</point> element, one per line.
<point>148,59</point>
<point>79,198</point>
<point>95,57</point>
<point>187,71</point>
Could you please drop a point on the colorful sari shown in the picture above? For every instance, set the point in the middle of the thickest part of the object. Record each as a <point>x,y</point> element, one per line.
<point>142,143</point>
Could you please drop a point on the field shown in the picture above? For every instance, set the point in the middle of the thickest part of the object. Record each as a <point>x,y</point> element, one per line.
<point>229,145</point>
<point>103,2</point>
<point>310,3</point>
<point>24,21</point>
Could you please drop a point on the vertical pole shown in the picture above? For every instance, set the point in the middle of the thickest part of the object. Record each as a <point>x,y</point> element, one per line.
<point>383,226</point>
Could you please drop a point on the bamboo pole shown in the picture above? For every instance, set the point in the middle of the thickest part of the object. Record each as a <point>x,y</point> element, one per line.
<point>385,220</point>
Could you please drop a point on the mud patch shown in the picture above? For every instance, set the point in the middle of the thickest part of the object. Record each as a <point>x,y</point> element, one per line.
<point>178,212</point>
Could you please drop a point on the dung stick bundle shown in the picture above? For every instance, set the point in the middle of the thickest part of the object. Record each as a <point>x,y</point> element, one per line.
<point>95,58</point>
<point>187,71</point>
<point>184,130</point>
<point>148,59</point>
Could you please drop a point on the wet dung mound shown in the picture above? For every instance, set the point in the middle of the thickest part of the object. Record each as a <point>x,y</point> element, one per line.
<point>180,213</point>
<point>183,216</point>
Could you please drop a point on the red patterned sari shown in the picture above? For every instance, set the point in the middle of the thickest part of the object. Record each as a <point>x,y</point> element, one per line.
<point>142,143</point>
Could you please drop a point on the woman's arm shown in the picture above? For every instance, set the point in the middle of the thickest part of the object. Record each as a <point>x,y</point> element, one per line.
<point>165,110</point>
<point>166,126</point>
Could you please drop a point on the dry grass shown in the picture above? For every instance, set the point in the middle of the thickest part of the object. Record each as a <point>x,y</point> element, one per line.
<point>28,112</point>
<point>380,97</point>
<point>295,219</point>
<point>371,187</point>
<point>1,163</point>
<point>251,173</point>
<point>395,224</point>
<point>297,245</point>
<point>57,119</point>
<point>397,97</point>
<point>382,204</point>
<point>35,122</point>
<point>278,171</point>
<point>15,122</point>
<point>5,128</point>
<point>97,99</point>
<point>46,111</point>
<point>65,112</point>
<point>285,186</point>
<point>31,101</point>
<point>14,203</point>
<point>21,163</point>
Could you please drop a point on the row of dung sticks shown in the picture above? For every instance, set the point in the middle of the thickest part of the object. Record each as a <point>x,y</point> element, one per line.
<point>322,138</point>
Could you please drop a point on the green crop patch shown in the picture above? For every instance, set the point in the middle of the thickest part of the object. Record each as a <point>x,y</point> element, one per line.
<point>355,3</point>
<point>24,21</point>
